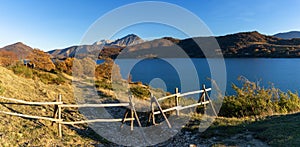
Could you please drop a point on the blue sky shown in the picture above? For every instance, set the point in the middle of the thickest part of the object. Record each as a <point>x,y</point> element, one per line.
<point>52,24</point>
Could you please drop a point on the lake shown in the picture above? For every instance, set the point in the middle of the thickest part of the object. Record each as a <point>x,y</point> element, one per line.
<point>283,73</point>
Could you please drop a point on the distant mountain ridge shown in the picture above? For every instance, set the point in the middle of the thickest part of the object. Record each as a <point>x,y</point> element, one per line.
<point>243,44</point>
<point>108,47</point>
<point>128,40</point>
<point>288,35</point>
<point>20,49</point>
<point>238,45</point>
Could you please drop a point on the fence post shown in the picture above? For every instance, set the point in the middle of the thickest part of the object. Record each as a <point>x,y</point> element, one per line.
<point>204,96</point>
<point>161,110</point>
<point>59,116</point>
<point>132,121</point>
<point>151,115</point>
<point>204,89</point>
<point>176,101</point>
<point>55,112</point>
<point>210,102</point>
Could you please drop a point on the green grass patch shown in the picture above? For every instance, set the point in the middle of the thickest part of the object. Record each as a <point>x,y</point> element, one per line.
<point>103,84</point>
<point>45,77</point>
<point>280,130</point>
<point>22,71</point>
<point>140,91</point>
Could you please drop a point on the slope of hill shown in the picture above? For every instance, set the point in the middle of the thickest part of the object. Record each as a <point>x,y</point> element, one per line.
<point>20,49</point>
<point>63,53</point>
<point>244,44</point>
<point>254,44</point>
<point>288,35</point>
<point>128,40</point>
<point>94,49</point>
<point>17,131</point>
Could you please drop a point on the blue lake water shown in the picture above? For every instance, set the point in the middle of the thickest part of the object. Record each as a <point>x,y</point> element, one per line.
<point>167,74</point>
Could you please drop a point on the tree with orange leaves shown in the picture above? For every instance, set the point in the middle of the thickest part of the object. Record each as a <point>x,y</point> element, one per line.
<point>41,60</point>
<point>7,58</point>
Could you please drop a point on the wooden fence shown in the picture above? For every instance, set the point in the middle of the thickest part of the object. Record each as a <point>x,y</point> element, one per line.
<point>59,105</point>
<point>204,99</point>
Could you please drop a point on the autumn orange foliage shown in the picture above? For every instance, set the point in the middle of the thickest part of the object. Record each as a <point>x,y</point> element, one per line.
<point>41,60</point>
<point>7,58</point>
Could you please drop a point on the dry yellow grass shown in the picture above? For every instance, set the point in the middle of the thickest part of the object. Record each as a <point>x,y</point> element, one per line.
<point>16,131</point>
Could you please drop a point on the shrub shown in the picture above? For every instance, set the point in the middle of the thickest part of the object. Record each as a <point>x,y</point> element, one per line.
<point>7,58</point>
<point>65,66</point>
<point>45,77</point>
<point>49,78</point>
<point>41,60</point>
<point>108,70</point>
<point>59,80</point>
<point>23,71</point>
<point>103,84</point>
<point>251,100</point>
<point>140,92</point>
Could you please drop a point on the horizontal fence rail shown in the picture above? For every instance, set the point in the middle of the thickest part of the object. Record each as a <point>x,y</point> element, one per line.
<point>193,92</point>
<point>183,94</point>
<point>204,99</point>
<point>30,103</point>
<point>58,105</point>
<point>166,97</point>
<point>57,116</point>
<point>193,105</point>
<point>95,105</point>
<point>31,116</point>
<point>97,120</point>
<point>167,110</point>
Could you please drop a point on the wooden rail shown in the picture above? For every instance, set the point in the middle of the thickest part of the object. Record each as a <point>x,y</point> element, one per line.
<point>166,97</point>
<point>167,110</point>
<point>183,94</point>
<point>96,105</point>
<point>193,105</point>
<point>57,116</point>
<point>30,116</point>
<point>30,103</point>
<point>202,101</point>
<point>59,105</point>
<point>97,120</point>
<point>194,92</point>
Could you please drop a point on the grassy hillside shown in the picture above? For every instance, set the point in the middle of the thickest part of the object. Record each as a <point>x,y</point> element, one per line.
<point>16,131</point>
<point>257,129</point>
<point>276,130</point>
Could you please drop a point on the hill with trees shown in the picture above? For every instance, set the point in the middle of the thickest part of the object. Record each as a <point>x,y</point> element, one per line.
<point>19,49</point>
<point>288,35</point>
<point>247,118</point>
<point>239,45</point>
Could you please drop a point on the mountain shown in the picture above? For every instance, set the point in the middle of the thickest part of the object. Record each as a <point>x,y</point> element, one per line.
<point>128,40</point>
<point>151,49</point>
<point>243,44</point>
<point>63,53</point>
<point>103,42</point>
<point>254,44</point>
<point>288,35</point>
<point>20,49</point>
<point>108,48</point>
<point>76,51</point>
